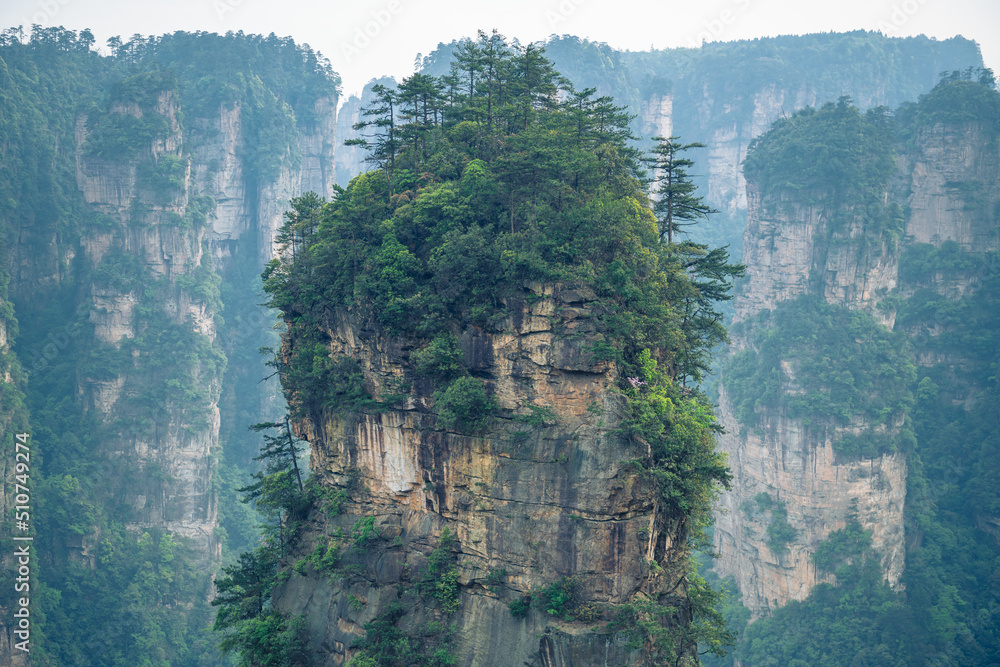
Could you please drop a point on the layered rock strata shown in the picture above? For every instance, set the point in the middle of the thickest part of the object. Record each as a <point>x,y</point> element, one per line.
<point>529,503</point>
<point>946,182</point>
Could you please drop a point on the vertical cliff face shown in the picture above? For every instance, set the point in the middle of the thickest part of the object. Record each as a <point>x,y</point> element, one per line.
<point>163,466</point>
<point>790,251</point>
<point>727,126</point>
<point>350,160</point>
<point>784,458</point>
<point>13,420</point>
<point>172,240</point>
<point>790,248</point>
<point>810,244</point>
<point>119,228</point>
<point>536,501</point>
<point>949,181</point>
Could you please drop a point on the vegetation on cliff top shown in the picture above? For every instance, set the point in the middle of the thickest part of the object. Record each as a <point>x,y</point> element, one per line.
<point>825,364</point>
<point>491,178</point>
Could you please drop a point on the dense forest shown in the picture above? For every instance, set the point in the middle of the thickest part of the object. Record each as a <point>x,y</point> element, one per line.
<point>721,91</point>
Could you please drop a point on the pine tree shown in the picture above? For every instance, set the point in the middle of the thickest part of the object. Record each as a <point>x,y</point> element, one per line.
<point>677,205</point>
<point>383,143</point>
<point>275,487</point>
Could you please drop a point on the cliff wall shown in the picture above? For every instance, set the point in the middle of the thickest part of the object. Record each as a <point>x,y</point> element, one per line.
<point>796,244</point>
<point>214,220</point>
<point>791,250</point>
<point>529,503</point>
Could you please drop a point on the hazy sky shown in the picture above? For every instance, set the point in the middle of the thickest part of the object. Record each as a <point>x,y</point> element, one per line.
<point>369,38</point>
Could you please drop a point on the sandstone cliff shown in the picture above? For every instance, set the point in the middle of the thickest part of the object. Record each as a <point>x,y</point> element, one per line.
<point>791,250</point>
<point>945,181</point>
<point>12,421</point>
<point>529,503</point>
<point>171,455</point>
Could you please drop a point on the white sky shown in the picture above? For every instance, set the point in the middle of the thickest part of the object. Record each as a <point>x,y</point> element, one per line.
<point>400,29</point>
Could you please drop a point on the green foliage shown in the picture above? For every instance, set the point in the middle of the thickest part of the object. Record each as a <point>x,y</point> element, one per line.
<point>312,379</point>
<point>922,260</point>
<point>519,607</point>
<point>66,505</point>
<point>834,156</point>
<point>327,499</point>
<point>677,206</point>
<point>465,406</point>
<point>538,415</point>
<point>122,136</point>
<point>846,363</point>
<point>277,488</point>
<point>386,645</point>
<point>475,194</point>
<point>129,600</point>
<point>678,427</point>
<point>251,629</point>
<point>861,621</point>
<point>441,360</point>
<point>959,97</point>
<point>495,579</point>
<point>530,190</point>
<point>779,531</point>
<point>271,640</point>
<point>199,209</point>
<point>835,148</point>
<point>558,598</point>
<point>325,558</point>
<point>135,607</point>
<point>165,177</point>
<point>365,531</point>
<point>119,270</point>
<point>842,545</point>
<point>947,612</point>
<point>734,615</point>
<point>440,579</point>
<point>660,629</point>
<point>446,591</point>
<point>203,284</point>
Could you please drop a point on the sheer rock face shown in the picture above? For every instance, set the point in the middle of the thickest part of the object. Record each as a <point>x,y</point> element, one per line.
<point>947,183</point>
<point>555,501</point>
<point>8,653</point>
<point>790,250</point>
<point>165,470</point>
<point>656,116</point>
<point>952,179</point>
<point>726,127</point>
<point>798,466</point>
